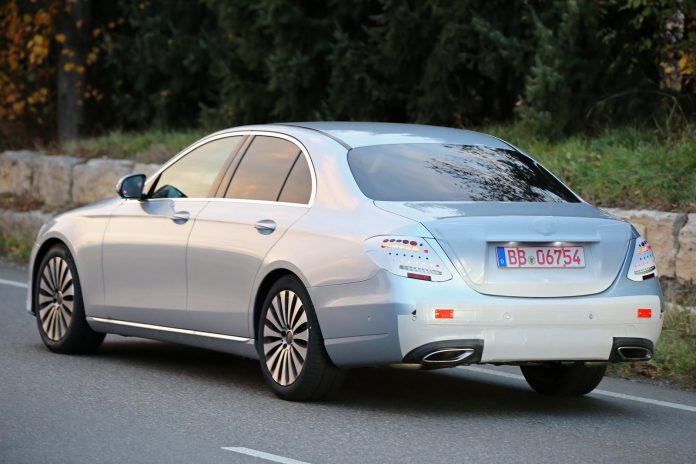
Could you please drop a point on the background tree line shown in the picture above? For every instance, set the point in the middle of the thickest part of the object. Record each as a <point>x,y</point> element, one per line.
<point>79,67</point>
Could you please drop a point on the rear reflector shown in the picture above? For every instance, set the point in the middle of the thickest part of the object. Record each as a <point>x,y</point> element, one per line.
<point>412,275</point>
<point>644,312</point>
<point>444,314</point>
<point>648,276</point>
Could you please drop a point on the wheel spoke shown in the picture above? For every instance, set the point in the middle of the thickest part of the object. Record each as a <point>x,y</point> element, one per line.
<point>296,311</point>
<point>43,312</point>
<point>67,314</point>
<point>63,271</point>
<point>272,323</point>
<point>62,323</point>
<point>48,277</point>
<point>277,366</point>
<point>301,351</point>
<point>67,284</point>
<point>44,300</point>
<point>45,286</point>
<point>287,366</point>
<point>271,345</point>
<point>301,322</point>
<point>54,273</point>
<point>302,333</point>
<point>286,306</point>
<point>297,360</point>
<point>68,305</point>
<point>290,368</point>
<point>52,324</point>
<point>275,305</point>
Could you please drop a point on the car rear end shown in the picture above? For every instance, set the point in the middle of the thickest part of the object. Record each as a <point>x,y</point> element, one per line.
<point>515,268</point>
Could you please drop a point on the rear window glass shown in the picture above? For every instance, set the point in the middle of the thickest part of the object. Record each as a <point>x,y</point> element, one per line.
<point>439,172</point>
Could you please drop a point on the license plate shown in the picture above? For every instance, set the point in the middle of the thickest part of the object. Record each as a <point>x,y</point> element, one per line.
<point>541,257</point>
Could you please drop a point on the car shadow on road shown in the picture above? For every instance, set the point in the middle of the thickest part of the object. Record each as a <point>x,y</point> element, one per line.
<point>387,390</point>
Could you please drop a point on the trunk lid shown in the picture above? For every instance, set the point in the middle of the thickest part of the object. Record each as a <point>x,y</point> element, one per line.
<point>469,233</point>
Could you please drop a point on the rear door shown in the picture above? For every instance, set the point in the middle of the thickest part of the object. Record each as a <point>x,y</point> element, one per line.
<point>270,187</point>
<point>144,246</point>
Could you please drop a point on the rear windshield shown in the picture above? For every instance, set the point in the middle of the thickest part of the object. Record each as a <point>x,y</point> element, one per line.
<point>435,172</point>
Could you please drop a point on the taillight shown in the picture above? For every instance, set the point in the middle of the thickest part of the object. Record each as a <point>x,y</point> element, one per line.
<point>642,261</point>
<point>411,257</point>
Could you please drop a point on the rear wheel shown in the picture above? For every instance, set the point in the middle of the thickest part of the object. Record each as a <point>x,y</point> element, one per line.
<point>293,359</point>
<point>58,305</point>
<point>561,380</point>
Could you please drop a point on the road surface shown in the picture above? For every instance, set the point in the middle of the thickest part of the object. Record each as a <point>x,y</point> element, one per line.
<point>144,401</point>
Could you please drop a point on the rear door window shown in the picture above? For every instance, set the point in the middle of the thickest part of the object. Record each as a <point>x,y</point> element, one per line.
<point>265,169</point>
<point>443,172</point>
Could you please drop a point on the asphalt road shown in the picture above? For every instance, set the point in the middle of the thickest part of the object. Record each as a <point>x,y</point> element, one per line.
<point>144,401</point>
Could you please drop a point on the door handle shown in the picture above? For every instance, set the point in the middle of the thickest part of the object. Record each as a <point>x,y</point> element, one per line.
<point>265,227</point>
<point>180,217</point>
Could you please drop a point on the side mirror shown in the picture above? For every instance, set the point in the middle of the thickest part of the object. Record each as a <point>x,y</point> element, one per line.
<point>131,186</point>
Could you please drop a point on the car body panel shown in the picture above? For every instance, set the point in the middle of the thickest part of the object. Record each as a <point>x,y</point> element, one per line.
<point>224,255</point>
<point>144,261</point>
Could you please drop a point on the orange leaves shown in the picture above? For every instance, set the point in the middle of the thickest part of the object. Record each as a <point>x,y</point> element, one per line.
<point>26,33</point>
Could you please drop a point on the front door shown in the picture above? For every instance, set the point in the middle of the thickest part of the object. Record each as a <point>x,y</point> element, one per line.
<point>144,246</point>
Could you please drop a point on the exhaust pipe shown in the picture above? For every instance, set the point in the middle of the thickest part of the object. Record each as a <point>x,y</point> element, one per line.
<point>447,356</point>
<point>634,353</point>
<point>627,349</point>
<point>446,353</point>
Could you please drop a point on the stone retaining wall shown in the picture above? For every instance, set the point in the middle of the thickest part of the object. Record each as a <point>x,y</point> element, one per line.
<point>62,182</point>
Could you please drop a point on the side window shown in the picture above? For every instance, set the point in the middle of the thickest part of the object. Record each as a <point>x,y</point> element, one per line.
<point>264,169</point>
<point>194,174</point>
<point>298,187</point>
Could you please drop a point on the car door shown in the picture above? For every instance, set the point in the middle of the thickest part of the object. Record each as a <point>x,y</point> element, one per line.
<point>144,245</point>
<point>270,188</point>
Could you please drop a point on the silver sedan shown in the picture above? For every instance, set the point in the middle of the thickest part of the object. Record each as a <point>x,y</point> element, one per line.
<point>315,247</point>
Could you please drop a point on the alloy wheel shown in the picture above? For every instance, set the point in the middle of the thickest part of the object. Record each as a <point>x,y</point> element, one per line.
<point>56,298</point>
<point>285,337</point>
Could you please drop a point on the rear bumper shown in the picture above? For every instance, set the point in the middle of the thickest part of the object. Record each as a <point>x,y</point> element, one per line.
<point>387,318</point>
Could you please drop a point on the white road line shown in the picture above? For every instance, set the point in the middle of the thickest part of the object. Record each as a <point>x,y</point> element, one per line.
<point>262,455</point>
<point>13,283</point>
<point>622,396</point>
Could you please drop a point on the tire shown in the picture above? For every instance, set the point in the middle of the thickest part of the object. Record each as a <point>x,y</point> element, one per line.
<point>58,305</point>
<point>559,380</point>
<point>294,362</point>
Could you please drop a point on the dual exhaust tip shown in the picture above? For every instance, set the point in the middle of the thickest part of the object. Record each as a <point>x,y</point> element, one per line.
<point>454,356</point>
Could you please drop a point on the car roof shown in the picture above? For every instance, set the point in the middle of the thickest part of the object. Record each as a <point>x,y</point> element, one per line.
<point>361,134</point>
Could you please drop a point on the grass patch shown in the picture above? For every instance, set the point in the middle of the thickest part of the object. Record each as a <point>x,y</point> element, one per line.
<point>144,147</point>
<point>627,168</point>
<point>15,249</point>
<point>675,353</point>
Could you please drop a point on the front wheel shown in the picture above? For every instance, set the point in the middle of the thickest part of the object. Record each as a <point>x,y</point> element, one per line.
<point>58,306</point>
<point>559,380</point>
<point>291,348</point>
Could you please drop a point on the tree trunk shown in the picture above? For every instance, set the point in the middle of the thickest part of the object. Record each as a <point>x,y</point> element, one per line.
<point>73,24</point>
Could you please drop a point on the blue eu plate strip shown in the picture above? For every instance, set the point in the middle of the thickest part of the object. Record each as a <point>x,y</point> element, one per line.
<point>502,262</point>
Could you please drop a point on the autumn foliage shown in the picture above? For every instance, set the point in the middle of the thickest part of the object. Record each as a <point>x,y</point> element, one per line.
<point>557,67</point>
<point>27,74</point>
